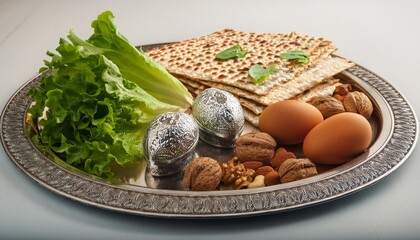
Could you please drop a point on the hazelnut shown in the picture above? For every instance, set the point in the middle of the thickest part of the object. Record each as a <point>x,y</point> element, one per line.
<point>358,102</point>
<point>328,106</point>
<point>255,146</point>
<point>296,168</point>
<point>272,178</point>
<point>202,174</point>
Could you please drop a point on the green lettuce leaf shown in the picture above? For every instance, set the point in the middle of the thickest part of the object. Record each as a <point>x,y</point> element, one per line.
<point>94,104</point>
<point>135,65</point>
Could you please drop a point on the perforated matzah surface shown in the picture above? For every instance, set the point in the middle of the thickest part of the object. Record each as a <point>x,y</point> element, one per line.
<point>195,58</point>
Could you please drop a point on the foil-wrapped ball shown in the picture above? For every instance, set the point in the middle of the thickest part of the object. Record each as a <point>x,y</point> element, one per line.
<point>169,143</point>
<point>219,117</point>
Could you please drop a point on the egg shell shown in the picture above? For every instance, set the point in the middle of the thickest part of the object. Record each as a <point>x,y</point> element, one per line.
<point>338,139</point>
<point>289,121</point>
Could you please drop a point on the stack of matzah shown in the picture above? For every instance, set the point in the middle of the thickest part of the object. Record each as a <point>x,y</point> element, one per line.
<point>193,62</point>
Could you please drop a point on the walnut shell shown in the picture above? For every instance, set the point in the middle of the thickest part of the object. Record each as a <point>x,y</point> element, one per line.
<point>358,102</point>
<point>328,106</point>
<point>295,169</point>
<point>202,174</point>
<point>255,146</point>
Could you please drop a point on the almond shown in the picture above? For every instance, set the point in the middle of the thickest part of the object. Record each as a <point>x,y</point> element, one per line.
<point>272,178</point>
<point>339,97</point>
<point>264,170</point>
<point>254,165</point>
<point>280,156</point>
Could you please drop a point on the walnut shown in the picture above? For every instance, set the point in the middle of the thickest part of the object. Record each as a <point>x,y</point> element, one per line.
<point>342,89</point>
<point>358,102</point>
<point>328,106</point>
<point>255,146</point>
<point>234,172</point>
<point>243,182</point>
<point>296,168</point>
<point>202,174</point>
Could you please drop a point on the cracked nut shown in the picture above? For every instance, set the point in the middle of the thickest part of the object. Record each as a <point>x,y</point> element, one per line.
<point>358,102</point>
<point>202,174</point>
<point>255,146</point>
<point>328,106</point>
<point>234,172</point>
<point>295,169</point>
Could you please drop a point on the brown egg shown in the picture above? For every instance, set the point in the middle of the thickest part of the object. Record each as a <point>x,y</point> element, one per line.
<point>289,121</point>
<point>338,139</point>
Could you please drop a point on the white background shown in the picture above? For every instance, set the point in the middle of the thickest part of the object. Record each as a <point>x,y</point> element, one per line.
<point>382,36</point>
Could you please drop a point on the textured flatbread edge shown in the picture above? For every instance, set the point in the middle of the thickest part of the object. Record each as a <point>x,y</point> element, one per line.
<point>184,63</point>
<point>323,89</point>
<point>311,77</point>
<point>273,81</point>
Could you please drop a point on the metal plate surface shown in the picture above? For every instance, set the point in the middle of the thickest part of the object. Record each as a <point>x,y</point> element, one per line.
<point>395,129</point>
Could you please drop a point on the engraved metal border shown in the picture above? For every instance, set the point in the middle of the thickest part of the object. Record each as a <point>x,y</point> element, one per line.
<point>189,204</point>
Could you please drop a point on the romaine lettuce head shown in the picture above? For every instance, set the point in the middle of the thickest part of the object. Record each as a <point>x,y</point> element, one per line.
<point>96,101</point>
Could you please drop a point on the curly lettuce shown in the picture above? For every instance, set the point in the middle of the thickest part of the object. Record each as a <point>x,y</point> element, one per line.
<point>98,97</point>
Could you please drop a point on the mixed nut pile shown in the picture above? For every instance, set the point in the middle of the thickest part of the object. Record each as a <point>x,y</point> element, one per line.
<point>344,100</point>
<point>257,163</point>
<point>260,162</point>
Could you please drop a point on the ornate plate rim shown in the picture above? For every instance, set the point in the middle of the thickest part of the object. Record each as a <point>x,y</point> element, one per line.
<point>189,204</point>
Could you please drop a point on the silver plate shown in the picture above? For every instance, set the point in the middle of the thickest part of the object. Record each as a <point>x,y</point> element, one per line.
<point>395,138</point>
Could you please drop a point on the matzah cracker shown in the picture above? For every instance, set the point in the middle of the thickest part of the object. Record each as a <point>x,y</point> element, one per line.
<point>252,110</point>
<point>305,81</point>
<point>321,90</point>
<point>251,117</point>
<point>312,76</point>
<point>325,88</point>
<point>191,83</point>
<point>195,58</point>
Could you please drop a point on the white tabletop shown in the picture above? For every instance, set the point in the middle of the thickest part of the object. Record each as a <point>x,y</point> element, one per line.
<point>382,36</point>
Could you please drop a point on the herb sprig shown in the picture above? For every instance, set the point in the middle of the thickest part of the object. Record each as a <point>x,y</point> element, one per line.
<point>296,56</point>
<point>231,53</point>
<point>260,73</point>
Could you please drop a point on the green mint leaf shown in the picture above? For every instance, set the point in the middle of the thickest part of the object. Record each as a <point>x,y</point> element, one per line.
<point>260,73</point>
<point>296,56</point>
<point>232,52</point>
